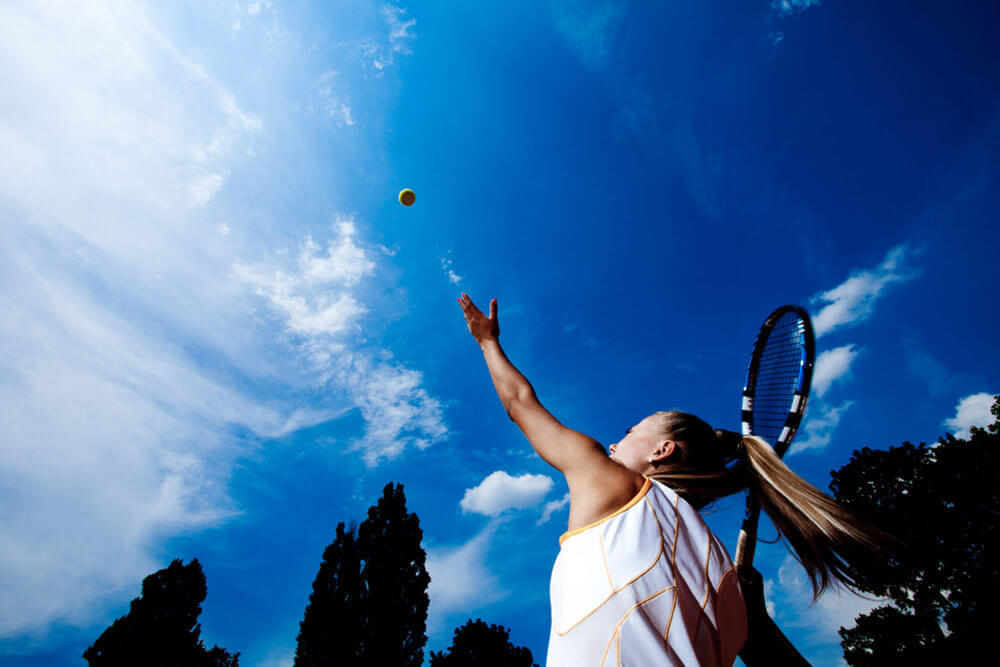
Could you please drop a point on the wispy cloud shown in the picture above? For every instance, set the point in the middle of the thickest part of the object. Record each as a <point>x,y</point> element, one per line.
<point>587,29</point>
<point>254,8</point>
<point>922,366</point>
<point>279,657</point>
<point>819,424</point>
<point>377,54</point>
<point>337,105</point>
<point>460,581</point>
<point>551,508</point>
<point>972,410</point>
<point>848,303</point>
<point>838,607</point>
<point>398,411</point>
<point>501,491</point>
<point>578,332</point>
<point>790,7</point>
<point>400,26</point>
<point>853,300</point>
<point>446,266</point>
<point>315,302</point>
<point>114,145</point>
<point>833,366</point>
<point>132,355</point>
<point>315,299</point>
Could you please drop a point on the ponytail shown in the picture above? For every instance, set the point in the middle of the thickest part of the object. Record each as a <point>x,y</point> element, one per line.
<point>830,541</point>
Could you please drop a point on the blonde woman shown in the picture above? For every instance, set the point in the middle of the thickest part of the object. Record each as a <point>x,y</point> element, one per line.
<point>640,579</point>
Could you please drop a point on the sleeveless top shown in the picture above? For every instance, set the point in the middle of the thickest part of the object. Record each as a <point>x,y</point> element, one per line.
<point>648,585</point>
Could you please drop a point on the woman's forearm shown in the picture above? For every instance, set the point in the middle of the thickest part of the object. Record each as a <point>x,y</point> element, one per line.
<point>511,386</point>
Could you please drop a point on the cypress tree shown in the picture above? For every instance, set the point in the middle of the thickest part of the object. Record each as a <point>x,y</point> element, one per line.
<point>161,627</point>
<point>369,600</point>
<point>396,579</point>
<point>329,633</point>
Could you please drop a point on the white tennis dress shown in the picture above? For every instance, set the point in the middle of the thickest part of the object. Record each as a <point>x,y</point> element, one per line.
<point>648,585</point>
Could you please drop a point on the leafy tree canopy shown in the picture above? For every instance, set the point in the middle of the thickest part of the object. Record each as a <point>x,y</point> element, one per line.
<point>478,644</point>
<point>161,627</point>
<point>943,502</point>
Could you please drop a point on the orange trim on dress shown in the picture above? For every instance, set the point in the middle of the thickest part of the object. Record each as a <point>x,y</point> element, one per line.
<point>639,496</point>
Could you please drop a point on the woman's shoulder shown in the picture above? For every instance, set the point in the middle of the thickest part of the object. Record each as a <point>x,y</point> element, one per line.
<point>604,496</point>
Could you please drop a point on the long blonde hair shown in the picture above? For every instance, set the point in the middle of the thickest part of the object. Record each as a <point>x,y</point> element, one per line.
<point>830,541</point>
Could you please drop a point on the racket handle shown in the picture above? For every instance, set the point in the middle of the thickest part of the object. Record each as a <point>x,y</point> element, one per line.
<point>744,550</point>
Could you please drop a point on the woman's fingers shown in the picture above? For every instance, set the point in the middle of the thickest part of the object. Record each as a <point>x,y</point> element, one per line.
<point>467,305</point>
<point>482,327</point>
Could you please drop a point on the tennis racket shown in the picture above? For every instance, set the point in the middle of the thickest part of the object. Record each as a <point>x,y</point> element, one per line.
<point>774,397</point>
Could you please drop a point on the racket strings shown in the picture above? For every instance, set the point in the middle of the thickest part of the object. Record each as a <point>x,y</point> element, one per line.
<point>778,377</point>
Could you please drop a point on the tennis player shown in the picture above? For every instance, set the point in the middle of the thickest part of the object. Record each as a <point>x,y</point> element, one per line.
<point>640,579</point>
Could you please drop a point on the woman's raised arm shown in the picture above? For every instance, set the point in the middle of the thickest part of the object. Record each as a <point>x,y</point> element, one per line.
<point>569,451</point>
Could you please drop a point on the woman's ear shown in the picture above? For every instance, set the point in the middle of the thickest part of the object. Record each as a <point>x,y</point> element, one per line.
<point>663,451</point>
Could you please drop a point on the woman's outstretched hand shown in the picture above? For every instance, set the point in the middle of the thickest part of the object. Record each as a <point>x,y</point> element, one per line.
<point>481,327</point>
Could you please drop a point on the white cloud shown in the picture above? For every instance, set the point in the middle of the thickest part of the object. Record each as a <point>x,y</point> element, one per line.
<point>551,508</point>
<point>500,492</point>
<point>316,304</point>
<point>973,410</point>
<point>453,277</point>
<point>102,450</point>
<point>378,54</point>
<point>460,580</point>
<point>853,300</point>
<point>112,142</point>
<point>397,410</point>
<point>818,428</point>
<point>587,30</point>
<point>399,25</point>
<point>336,105</point>
<point>205,187</point>
<point>130,352</point>
<point>254,7</point>
<point>279,657</point>
<point>832,366</point>
<point>789,7</point>
<point>315,300</point>
<point>838,607</point>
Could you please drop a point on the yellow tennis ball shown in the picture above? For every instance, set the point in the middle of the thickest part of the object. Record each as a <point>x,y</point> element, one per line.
<point>407,197</point>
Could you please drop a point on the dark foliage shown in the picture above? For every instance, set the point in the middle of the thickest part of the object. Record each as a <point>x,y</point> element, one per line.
<point>329,633</point>
<point>161,627</point>
<point>396,579</point>
<point>943,502</point>
<point>369,600</point>
<point>481,645</point>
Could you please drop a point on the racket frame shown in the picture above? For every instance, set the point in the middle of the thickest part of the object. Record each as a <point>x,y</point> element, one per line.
<point>747,541</point>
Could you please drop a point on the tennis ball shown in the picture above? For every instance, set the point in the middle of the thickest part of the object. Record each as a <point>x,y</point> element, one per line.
<point>407,197</point>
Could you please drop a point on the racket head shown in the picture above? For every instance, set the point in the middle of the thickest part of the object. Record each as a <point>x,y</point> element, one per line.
<point>778,377</point>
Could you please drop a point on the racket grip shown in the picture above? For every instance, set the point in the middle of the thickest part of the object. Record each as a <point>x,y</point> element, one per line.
<point>744,551</point>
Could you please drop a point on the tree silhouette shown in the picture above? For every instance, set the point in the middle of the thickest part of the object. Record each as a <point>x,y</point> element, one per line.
<point>329,633</point>
<point>943,501</point>
<point>396,580</point>
<point>161,627</point>
<point>369,600</point>
<point>481,645</point>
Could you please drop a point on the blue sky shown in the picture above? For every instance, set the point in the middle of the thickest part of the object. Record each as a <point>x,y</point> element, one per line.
<point>223,334</point>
